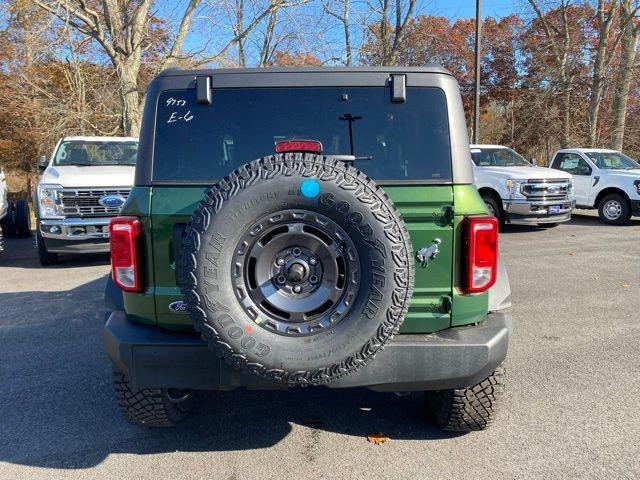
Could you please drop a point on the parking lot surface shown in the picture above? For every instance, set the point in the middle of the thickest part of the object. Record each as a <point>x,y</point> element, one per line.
<point>571,410</point>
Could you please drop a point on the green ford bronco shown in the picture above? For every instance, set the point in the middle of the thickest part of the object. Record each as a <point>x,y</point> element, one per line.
<point>306,227</point>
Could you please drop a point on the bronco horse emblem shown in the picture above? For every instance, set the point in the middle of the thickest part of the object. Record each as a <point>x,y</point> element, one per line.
<point>428,253</point>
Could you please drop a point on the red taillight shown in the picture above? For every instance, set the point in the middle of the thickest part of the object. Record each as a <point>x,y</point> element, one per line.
<point>123,234</point>
<point>481,263</point>
<point>311,146</point>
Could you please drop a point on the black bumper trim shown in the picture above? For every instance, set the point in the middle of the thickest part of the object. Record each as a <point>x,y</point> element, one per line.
<point>454,358</point>
<point>635,207</point>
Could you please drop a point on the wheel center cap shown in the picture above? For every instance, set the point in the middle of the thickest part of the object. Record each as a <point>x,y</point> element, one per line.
<point>297,272</point>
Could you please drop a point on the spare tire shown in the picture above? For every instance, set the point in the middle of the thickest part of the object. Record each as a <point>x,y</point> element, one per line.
<point>297,267</point>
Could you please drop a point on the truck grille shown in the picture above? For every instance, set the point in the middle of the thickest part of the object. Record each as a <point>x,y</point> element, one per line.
<point>84,203</point>
<point>546,189</point>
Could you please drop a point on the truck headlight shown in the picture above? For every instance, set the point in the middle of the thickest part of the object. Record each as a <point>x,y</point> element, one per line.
<point>49,200</point>
<point>515,188</point>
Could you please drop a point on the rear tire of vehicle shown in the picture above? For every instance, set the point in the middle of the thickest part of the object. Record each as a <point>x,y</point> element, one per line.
<point>494,208</point>
<point>22,219</point>
<point>46,258</point>
<point>548,225</point>
<point>614,209</point>
<point>151,407</point>
<point>467,409</point>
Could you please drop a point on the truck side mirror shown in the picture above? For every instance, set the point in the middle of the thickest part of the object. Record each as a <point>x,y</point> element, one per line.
<point>42,163</point>
<point>583,170</point>
<point>534,162</point>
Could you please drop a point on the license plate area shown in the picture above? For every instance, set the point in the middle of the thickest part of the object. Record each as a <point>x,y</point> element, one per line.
<point>554,209</point>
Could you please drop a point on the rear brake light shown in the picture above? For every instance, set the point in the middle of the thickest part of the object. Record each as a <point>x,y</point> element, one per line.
<point>311,146</point>
<point>123,234</point>
<point>481,263</point>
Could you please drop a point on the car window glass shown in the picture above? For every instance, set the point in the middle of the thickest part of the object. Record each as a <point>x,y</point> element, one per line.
<point>391,141</point>
<point>498,157</point>
<point>570,163</point>
<point>88,153</point>
<point>614,160</point>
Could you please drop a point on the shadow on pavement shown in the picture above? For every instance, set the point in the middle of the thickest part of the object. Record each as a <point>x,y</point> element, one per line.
<point>58,408</point>
<point>21,253</point>
<point>594,221</point>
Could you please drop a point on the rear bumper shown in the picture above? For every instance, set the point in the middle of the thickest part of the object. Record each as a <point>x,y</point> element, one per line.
<point>525,212</point>
<point>453,358</point>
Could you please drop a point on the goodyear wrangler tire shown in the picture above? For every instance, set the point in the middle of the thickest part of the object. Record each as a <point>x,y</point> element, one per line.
<point>297,268</point>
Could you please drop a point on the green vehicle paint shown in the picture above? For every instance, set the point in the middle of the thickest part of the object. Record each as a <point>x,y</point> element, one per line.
<point>430,212</point>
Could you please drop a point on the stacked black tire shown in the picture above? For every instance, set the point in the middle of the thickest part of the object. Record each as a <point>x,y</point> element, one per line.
<point>17,222</point>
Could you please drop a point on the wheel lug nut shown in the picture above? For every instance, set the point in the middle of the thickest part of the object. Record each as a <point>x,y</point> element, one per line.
<point>297,289</point>
<point>280,261</point>
<point>313,261</point>
<point>281,280</point>
<point>313,279</point>
<point>296,252</point>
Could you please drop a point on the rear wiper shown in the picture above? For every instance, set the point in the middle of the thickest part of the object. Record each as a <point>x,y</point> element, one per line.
<point>349,158</point>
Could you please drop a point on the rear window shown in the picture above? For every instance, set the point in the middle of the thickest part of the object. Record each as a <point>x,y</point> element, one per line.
<point>202,143</point>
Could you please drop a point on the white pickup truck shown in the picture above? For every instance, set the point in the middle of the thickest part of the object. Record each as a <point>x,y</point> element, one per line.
<point>84,183</point>
<point>604,179</point>
<point>518,192</point>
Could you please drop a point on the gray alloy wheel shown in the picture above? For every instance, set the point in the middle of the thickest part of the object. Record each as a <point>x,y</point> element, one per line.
<point>297,272</point>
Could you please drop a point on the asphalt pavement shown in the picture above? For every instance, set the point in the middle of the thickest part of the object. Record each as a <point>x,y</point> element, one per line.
<point>572,408</point>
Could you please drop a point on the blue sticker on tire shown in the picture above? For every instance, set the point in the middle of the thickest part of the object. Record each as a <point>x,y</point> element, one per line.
<point>310,188</point>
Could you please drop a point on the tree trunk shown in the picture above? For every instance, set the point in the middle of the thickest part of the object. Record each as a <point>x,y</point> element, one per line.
<point>127,70</point>
<point>599,65</point>
<point>566,86</point>
<point>347,31</point>
<point>623,83</point>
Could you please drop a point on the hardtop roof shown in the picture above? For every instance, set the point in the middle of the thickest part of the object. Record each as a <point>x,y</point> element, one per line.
<point>427,69</point>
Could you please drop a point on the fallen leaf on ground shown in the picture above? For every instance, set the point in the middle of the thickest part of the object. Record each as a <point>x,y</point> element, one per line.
<point>377,438</point>
<point>625,285</point>
<point>572,253</point>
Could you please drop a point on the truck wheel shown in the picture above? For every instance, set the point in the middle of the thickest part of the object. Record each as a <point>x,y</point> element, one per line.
<point>46,258</point>
<point>493,207</point>
<point>614,209</point>
<point>297,268</point>
<point>152,407</point>
<point>467,409</point>
<point>22,219</point>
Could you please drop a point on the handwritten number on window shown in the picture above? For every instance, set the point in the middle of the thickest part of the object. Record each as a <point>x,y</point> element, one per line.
<point>187,117</point>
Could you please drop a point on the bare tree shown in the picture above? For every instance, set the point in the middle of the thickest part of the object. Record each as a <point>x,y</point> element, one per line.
<point>341,14</point>
<point>119,27</point>
<point>390,29</point>
<point>559,41</point>
<point>268,40</point>
<point>605,15</point>
<point>629,41</point>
